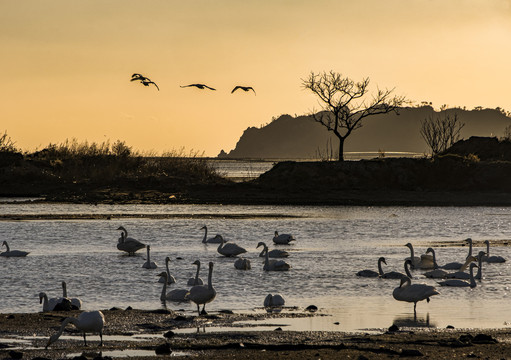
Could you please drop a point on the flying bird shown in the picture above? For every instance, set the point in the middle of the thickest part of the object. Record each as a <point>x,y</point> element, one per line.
<point>244,88</point>
<point>143,80</point>
<point>199,86</point>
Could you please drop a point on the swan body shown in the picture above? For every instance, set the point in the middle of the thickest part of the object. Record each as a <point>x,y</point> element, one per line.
<point>127,244</point>
<point>12,253</point>
<point>203,294</point>
<point>461,274</point>
<point>176,295</point>
<point>275,253</point>
<point>487,258</point>
<point>75,302</point>
<point>273,265</point>
<point>283,239</point>
<point>371,273</point>
<point>274,303</point>
<point>398,275</point>
<point>217,239</point>
<point>461,283</point>
<point>413,292</point>
<point>423,262</point>
<point>457,265</point>
<point>229,249</point>
<point>242,264</point>
<point>170,279</point>
<point>48,304</point>
<point>148,263</point>
<point>436,273</point>
<point>196,280</point>
<point>86,322</point>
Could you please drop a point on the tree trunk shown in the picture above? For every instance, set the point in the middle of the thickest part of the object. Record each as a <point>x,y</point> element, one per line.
<point>341,148</point>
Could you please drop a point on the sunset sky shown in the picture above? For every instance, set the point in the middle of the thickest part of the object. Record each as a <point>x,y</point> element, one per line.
<point>67,63</point>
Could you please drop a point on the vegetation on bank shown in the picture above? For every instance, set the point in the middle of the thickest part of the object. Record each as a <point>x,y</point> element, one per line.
<point>80,167</point>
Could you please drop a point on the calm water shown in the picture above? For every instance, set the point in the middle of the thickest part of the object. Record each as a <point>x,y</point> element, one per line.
<point>333,243</point>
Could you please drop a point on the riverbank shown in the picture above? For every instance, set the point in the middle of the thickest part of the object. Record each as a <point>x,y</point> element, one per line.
<point>145,334</point>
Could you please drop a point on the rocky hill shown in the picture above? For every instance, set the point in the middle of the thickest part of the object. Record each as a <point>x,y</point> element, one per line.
<point>300,137</point>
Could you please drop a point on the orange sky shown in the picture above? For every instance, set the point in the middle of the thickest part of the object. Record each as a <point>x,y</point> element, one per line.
<point>67,63</point>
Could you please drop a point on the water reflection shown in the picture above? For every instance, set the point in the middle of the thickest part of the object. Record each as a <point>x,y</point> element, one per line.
<point>410,320</point>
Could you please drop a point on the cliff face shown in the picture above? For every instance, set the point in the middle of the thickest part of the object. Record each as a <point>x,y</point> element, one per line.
<point>301,138</point>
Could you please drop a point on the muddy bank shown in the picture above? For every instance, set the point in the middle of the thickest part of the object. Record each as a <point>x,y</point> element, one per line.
<point>143,334</point>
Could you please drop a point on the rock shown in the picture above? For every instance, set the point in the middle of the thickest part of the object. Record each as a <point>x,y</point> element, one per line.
<point>450,327</point>
<point>393,328</point>
<point>278,329</point>
<point>15,354</point>
<point>411,352</point>
<point>484,339</point>
<point>311,308</point>
<point>163,349</point>
<point>169,334</point>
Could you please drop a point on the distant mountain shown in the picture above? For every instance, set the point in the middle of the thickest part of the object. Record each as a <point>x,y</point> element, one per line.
<point>300,137</point>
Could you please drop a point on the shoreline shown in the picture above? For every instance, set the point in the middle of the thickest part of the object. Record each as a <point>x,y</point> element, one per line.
<point>131,330</point>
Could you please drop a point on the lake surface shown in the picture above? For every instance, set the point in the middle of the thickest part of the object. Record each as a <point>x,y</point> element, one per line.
<point>333,243</point>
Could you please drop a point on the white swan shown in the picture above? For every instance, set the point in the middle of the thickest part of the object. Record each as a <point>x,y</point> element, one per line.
<point>274,303</point>
<point>461,274</point>
<point>423,262</point>
<point>195,280</point>
<point>87,322</point>
<point>413,292</point>
<point>398,275</point>
<point>214,240</point>
<point>176,295</point>
<point>203,294</point>
<point>242,264</point>
<point>461,283</point>
<point>436,273</point>
<point>75,302</point>
<point>283,239</point>
<point>275,253</point>
<point>12,253</point>
<point>371,273</point>
<point>487,258</point>
<point>48,304</point>
<point>148,263</point>
<point>480,256</point>
<point>457,265</point>
<point>229,249</point>
<point>273,265</point>
<point>127,244</point>
<point>170,279</point>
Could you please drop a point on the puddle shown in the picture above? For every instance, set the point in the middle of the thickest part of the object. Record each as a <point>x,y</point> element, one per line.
<point>130,353</point>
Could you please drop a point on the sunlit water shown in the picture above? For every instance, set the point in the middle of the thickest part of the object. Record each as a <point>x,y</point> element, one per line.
<point>333,243</point>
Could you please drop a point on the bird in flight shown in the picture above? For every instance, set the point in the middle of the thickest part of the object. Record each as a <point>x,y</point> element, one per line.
<point>144,80</point>
<point>200,86</point>
<point>146,83</point>
<point>244,88</point>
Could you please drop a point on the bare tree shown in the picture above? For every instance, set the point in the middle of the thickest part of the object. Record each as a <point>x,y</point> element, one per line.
<point>344,103</point>
<point>441,132</point>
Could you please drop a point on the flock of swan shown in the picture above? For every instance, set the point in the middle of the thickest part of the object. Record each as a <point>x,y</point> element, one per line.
<point>146,82</point>
<point>198,291</point>
<point>451,274</point>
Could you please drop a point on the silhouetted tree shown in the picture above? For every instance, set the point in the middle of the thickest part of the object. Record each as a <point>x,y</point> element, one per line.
<point>441,132</point>
<point>345,103</point>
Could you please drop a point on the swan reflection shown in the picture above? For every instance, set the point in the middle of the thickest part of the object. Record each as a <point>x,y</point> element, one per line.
<point>412,320</point>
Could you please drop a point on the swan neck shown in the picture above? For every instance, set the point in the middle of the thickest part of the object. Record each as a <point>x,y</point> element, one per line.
<point>6,246</point>
<point>164,290</point>
<point>380,270</point>
<point>205,234</point>
<point>148,255</point>
<point>196,280</point>
<point>64,289</point>
<point>210,277</point>
<point>487,249</point>
<point>472,280</point>
<point>407,271</point>
<point>469,248</point>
